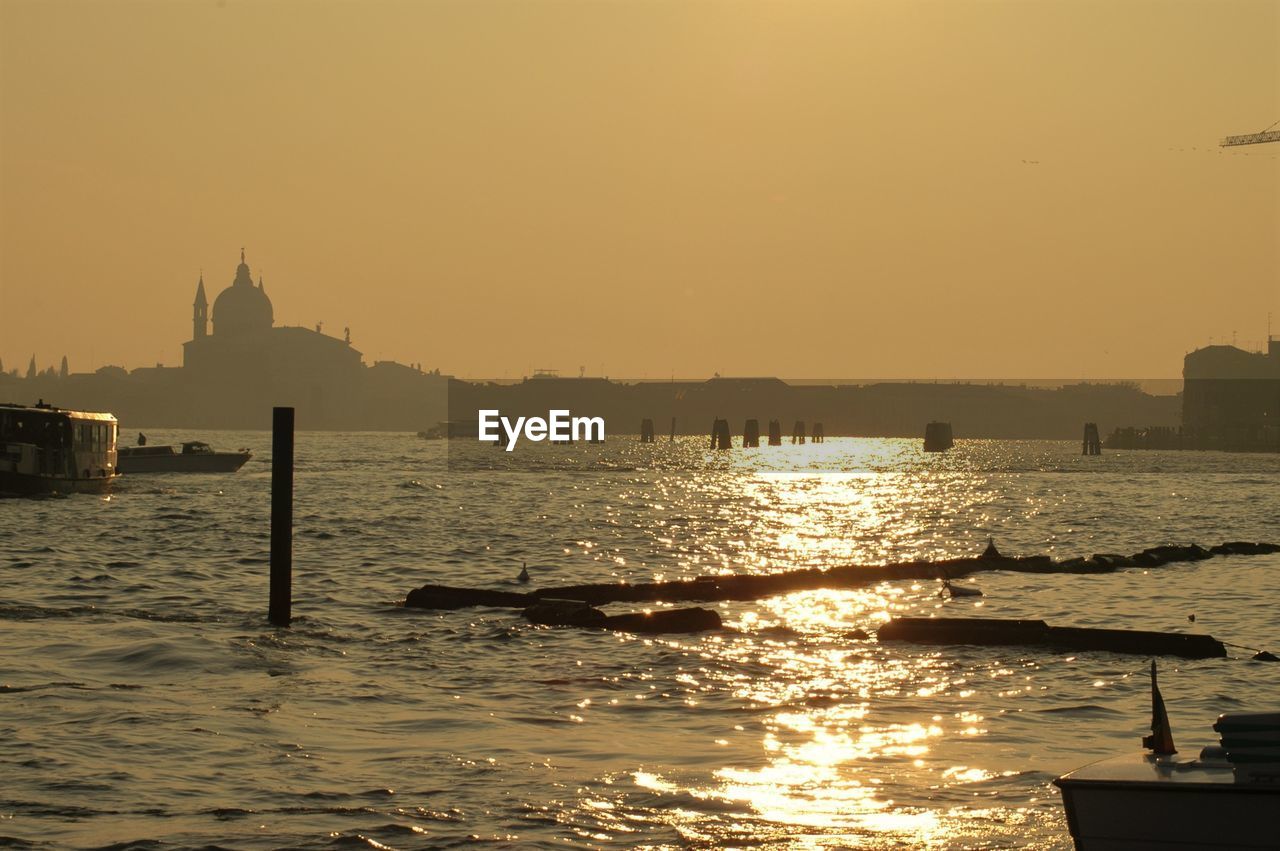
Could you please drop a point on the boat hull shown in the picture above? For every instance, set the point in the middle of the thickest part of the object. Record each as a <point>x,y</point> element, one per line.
<point>216,462</point>
<point>1190,806</point>
<point>23,484</point>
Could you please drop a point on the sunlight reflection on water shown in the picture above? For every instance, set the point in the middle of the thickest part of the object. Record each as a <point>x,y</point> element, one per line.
<point>135,638</point>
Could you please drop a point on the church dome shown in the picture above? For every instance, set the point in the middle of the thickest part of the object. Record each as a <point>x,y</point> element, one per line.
<point>242,307</point>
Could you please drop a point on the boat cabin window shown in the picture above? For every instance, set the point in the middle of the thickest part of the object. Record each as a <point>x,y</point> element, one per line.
<point>37,428</point>
<point>56,430</point>
<point>93,437</point>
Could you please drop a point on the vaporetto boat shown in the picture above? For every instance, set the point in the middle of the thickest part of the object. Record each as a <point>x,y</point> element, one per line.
<point>48,450</point>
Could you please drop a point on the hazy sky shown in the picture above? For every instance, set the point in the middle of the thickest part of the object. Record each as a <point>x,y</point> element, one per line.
<point>890,188</point>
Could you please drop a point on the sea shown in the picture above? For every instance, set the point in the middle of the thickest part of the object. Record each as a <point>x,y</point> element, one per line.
<point>146,702</point>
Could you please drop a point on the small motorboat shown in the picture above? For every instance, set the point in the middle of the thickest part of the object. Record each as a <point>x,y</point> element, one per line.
<point>450,429</point>
<point>191,457</point>
<point>1225,799</point>
<point>1149,801</point>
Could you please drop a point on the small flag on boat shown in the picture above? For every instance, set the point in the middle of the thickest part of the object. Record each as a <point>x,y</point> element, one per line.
<point>1161,739</point>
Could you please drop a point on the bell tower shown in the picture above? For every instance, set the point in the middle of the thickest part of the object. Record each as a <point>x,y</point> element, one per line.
<point>200,313</point>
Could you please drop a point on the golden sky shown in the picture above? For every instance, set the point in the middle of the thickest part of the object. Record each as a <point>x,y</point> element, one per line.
<point>647,188</point>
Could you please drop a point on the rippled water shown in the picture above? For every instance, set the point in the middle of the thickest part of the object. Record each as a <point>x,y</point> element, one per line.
<point>143,698</point>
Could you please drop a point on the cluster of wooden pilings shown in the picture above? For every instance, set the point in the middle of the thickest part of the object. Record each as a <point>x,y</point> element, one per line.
<point>1092,442</point>
<point>817,434</point>
<point>721,437</point>
<point>938,437</point>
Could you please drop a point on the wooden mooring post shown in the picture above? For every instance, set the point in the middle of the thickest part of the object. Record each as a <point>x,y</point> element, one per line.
<point>797,432</point>
<point>646,431</point>
<point>938,437</point>
<point>720,435</point>
<point>673,429</point>
<point>751,434</point>
<point>775,433</point>
<point>818,433</point>
<point>1092,442</point>
<point>279,610</point>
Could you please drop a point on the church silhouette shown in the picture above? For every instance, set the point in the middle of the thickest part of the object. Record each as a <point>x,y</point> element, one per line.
<point>239,364</point>
<point>246,351</point>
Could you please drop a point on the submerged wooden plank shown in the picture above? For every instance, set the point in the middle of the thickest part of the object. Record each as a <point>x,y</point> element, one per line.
<point>999,631</point>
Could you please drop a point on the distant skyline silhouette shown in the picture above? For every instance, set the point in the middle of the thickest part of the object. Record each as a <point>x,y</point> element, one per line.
<point>646,189</point>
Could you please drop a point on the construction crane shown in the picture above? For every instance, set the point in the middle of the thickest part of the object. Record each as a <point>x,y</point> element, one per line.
<point>1267,135</point>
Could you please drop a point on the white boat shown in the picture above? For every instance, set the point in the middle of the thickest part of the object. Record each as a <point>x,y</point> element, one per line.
<point>1227,798</point>
<point>1149,801</point>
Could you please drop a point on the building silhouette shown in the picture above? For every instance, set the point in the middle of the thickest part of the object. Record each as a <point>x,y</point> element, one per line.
<point>1231,398</point>
<point>246,357</point>
<point>238,364</point>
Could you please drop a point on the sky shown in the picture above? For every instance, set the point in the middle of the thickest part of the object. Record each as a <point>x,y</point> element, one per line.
<point>644,188</point>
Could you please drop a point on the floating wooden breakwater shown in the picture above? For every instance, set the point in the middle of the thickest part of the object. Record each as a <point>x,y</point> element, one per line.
<point>759,586</point>
<point>1004,632</point>
<point>579,614</point>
